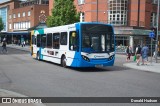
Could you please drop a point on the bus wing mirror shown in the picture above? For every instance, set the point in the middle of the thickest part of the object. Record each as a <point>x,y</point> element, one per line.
<point>72,47</point>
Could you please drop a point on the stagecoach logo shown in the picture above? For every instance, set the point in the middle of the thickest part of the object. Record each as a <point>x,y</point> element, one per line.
<point>70,27</point>
<point>95,56</point>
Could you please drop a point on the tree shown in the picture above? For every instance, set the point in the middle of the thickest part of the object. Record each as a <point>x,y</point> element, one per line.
<point>1,24</point>
<point>63,13</point>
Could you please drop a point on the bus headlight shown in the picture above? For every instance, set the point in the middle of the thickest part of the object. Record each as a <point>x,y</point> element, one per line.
<point>85,58</point>
<point>111,57</point>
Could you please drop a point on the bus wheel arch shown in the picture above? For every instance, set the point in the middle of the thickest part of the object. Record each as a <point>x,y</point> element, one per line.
<point>63,61</point>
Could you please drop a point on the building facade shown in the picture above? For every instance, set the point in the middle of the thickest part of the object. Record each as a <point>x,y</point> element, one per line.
<point>21,16</point>
<point>132,19</point>
<point>4,8</point>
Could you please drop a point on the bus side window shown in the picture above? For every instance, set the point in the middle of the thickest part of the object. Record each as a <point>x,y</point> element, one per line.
<point>73,41</point>
<point>38,40</point>
<point>33,39</point>
<point>56,40</point>
<point>49,40</point>
<point>43,40</point>
<point>63,39</point>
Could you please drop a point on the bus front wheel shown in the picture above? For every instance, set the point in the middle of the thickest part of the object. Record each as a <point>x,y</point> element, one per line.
<point>63,61</point>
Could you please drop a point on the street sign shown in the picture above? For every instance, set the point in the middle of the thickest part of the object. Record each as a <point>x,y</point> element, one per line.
<point>151,34</point>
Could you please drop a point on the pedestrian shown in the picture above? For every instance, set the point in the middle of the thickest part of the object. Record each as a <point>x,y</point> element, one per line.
<point>24,43</point>
<point>129,53</point>
<point>19,42</point>
<point>145,52</point>
<point>138,54</point>
<point>4,46</point>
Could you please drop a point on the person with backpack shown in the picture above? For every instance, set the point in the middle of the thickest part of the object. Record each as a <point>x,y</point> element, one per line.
<point>138,54</point>
<point>4,46</point>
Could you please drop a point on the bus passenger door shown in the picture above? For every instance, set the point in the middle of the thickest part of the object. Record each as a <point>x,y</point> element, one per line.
<point>33,46</point>
<point>73,49</point>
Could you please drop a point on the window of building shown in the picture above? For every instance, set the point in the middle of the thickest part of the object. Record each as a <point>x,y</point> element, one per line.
<point>117,13</point>
<point>19,15</point>
<point>23,27</point>
<point>82,17</point>
<point>3,15</point>
<point>45,2</point>
<point>24,14</point>
<point>154,1</point>
<point>14,15</point>
<point>10,26</point>
<point>29,13</point>
<point>81,2</point>
<point>26,25</point>
<point>14,26</point>
<point>10,16</point>
<point>29,24</point>
<point>19,25</point>
<point>153,19</point>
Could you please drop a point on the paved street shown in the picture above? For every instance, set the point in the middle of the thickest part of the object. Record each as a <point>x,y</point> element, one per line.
<point>22,74</point>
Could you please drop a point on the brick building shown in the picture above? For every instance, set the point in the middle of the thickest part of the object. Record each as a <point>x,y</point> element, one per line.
<point>23,15</point>
<point>132,19</point>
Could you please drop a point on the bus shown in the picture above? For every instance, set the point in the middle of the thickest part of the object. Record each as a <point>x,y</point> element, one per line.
<point>82,44</point>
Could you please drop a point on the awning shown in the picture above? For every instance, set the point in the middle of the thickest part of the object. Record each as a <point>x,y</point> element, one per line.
<point>16,33</point>
<point>131,31</point>
<point>39,26</point>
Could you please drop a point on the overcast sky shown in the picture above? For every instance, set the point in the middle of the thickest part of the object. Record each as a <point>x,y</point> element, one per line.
<point>1,1</point>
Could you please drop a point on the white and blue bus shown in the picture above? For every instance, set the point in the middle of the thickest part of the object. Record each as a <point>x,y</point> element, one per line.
<point>83,44</point>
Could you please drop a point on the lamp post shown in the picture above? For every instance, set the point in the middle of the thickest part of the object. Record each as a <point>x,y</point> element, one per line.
<point>156,45</point>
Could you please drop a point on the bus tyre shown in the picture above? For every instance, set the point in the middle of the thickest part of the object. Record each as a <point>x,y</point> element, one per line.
<point>63,61</point>
<point>38,56</point>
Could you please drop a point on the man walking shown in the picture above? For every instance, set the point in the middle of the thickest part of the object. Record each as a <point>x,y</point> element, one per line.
<point>4,46</point>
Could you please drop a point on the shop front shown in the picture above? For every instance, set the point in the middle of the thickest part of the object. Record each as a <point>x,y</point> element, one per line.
<point>16,37</point>
<point>131,37</point>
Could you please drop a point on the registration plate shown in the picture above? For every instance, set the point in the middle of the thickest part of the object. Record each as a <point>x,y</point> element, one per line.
<point>99,65</point>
